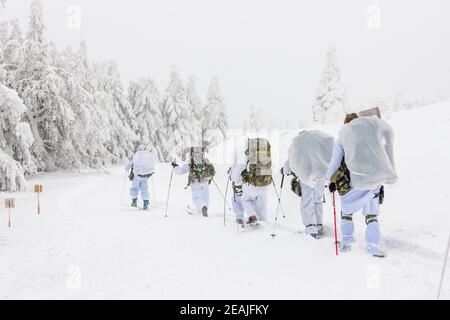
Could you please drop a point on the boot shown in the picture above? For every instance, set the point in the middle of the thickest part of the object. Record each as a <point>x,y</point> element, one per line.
<point>146,203</point>
<point>375,252</point>
<point>252,219</point>
<point>134,203</point>
<point>315,236</point>
<point>320,227</point>
<point>344,247</point>
<point>205,211</point>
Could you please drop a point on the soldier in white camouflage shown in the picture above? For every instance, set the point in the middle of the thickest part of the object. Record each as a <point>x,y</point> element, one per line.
<point>201,172</point>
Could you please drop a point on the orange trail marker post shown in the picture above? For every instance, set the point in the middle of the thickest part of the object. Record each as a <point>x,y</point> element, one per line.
<point>9,204</point>
<point>38,190</point>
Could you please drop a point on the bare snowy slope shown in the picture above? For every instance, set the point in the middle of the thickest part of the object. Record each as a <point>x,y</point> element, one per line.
<point>89,244</point>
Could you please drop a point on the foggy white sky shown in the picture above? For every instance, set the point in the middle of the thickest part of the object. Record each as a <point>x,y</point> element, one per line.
<point>266,53</point>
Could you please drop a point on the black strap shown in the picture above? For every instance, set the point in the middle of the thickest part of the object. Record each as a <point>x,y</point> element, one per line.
<point>348,218</point>
<point>145,175</point>
<point>371,218</point>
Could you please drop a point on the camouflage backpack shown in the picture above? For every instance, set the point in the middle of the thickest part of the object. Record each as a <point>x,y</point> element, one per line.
<point>295,187</point>
<point>200,169</point>
<point>342,179</point>
<point>259,164</point>
<point>237,189</point>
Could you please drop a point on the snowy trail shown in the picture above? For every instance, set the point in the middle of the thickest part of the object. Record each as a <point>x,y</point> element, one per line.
<point>121,252</point>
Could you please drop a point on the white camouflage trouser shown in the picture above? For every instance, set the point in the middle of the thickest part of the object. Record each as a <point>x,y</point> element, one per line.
<point>254,201</point>
<point>238,209</point>
<point>311,207</point>
<point>200,195</point>
<point>368,202</point>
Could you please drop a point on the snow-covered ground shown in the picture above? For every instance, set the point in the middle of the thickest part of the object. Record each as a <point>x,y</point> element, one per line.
<point>88,243</point>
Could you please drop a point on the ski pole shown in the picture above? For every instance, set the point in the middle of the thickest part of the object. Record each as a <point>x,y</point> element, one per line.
<point>224,199</point>
<point>443,268</point>
<point>224,202</point>
<point>279,199</point>
<point>273,235</point>
<point>123,188</point>
<point>335,228</point>
<point>153,189</point>
<point>168,191</point>
<point>281,191</point>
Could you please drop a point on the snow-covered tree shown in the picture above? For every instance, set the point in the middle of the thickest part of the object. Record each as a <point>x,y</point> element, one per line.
<point>331,102</point>
<point>3,72</point>
<point>38,85</point>
<point>4,30</point>
<point>177,116</point>
<point>144,97</point>
<point>13,53</point>
<point>215,119</point>
<point>93,121</point>
<point>15,141</point>
<point>114,110</point>
<point>254,121</point>
<point>196,106</point>
<point>3,36</point>
<point>86,145</point>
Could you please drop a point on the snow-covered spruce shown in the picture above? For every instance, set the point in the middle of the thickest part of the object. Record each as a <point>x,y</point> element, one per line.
<point>195,105</point>
<point>15,140</point>
<point>144,97</point>
<point>215,119</point>
<point>177,115</point>
<point>255,122</point>
<point>331,102</point>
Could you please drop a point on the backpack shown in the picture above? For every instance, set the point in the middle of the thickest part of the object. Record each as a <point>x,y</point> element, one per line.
<point>368,143</point>
<point>200,169</point>
<point>342,179</point>
<point>295,187</point>
<point>131,174</point>
<point>259,163</point>
<point>237,189</point>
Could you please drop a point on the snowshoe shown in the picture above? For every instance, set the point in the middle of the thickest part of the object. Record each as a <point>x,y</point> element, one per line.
<point>375,252</point>
<point>321,231</point>
<point>145,206</point>
<point>252,220</point>
<point>134,203</point>
<point>344,247</point>
<point>316,236</point>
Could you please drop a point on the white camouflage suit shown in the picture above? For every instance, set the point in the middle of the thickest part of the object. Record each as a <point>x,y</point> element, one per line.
<point>352,202</point>
<point>311,203</point>
<point>200,190</point>
<point>254,199</point>
<point>143,163</point>
<point>236,199</point>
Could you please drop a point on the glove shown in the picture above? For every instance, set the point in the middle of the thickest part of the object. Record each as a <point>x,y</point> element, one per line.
<point>174,164</point>
<point>282,171</point>
<point>332,187</point>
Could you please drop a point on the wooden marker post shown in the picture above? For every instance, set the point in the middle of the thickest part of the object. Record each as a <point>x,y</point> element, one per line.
<point>38,189</point>
<point>9,204</point>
